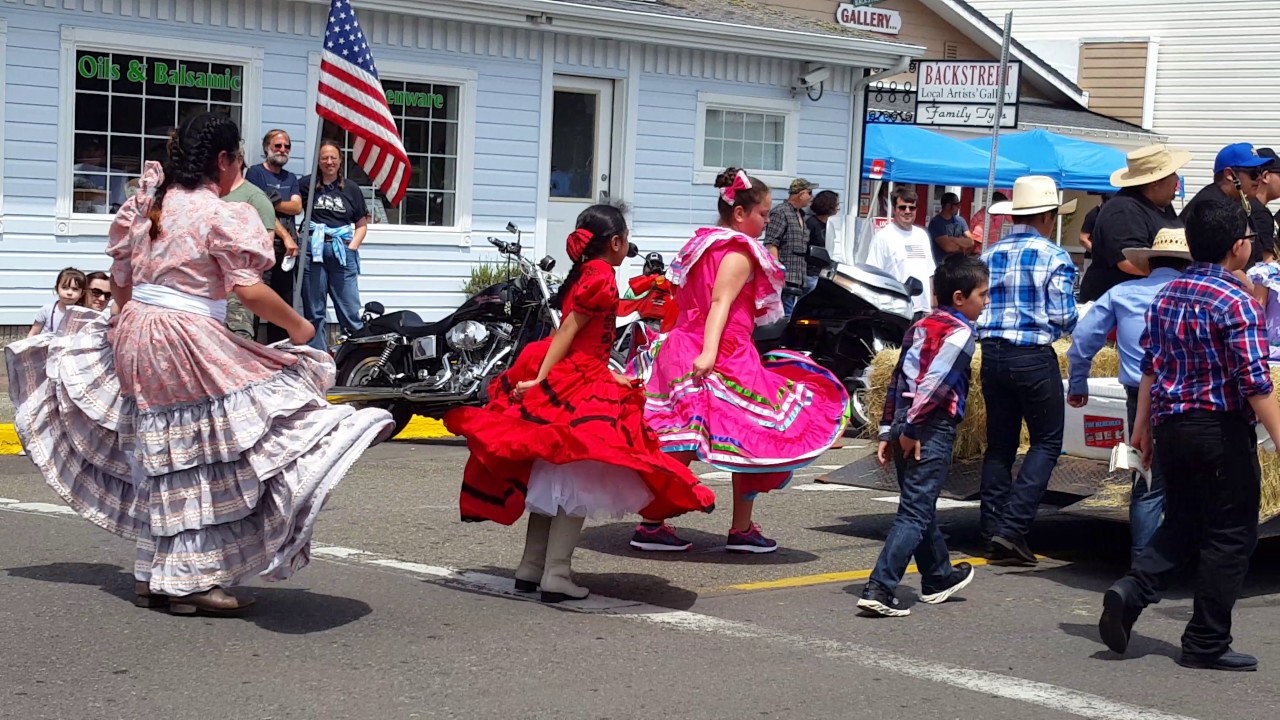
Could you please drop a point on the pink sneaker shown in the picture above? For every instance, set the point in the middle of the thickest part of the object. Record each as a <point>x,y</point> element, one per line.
<point>658,538</point>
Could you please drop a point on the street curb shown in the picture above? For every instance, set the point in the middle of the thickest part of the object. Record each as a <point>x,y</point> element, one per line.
<point>418,428</point>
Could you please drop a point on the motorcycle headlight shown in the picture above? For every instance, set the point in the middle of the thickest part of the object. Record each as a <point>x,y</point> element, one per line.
<point>467,336</point>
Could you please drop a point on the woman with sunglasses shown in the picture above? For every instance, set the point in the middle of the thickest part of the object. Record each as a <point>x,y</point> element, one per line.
<point>97,295</point>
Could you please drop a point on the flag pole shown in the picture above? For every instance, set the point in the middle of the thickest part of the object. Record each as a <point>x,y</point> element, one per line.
<point>304,247</point>
<point>995,125</point>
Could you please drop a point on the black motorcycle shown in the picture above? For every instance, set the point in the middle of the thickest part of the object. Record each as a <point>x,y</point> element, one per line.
<point>854,312</point>
<point>410,367</point>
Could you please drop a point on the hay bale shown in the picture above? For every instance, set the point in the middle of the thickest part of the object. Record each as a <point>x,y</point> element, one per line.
<point>971,436</point>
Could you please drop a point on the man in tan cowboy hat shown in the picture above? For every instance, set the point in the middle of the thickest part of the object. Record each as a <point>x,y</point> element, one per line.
<point>1148,184</point>
<point>1032,304</point>
<point>1123,309</point>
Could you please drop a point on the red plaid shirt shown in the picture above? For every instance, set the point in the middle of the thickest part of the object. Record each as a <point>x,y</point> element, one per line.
<point>1206,344</point>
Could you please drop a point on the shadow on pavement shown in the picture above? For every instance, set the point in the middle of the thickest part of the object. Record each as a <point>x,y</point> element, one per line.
<point>708,547</point>
<point>288,611</point>
<point>1139,644</point>
<point>633,587</point>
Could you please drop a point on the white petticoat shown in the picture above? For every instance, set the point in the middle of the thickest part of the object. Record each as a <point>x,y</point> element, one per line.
<point>587,488</point>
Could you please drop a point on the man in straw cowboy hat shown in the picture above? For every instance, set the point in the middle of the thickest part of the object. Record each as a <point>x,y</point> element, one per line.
<point>1123,309</point>
<point>1032,281</point>
<point>1205,385</point>
<point>1148,184</point>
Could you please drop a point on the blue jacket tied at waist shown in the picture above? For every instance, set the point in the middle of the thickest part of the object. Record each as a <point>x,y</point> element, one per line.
<point>341,236</point>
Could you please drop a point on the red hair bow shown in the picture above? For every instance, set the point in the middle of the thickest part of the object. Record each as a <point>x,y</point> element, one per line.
<point>577,242</point>
<point>740,182</point>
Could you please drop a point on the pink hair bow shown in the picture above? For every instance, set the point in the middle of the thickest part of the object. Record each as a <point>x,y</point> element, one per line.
<point>740,182</point>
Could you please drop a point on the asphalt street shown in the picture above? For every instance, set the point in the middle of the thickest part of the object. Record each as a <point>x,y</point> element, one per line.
<point>406,612</point>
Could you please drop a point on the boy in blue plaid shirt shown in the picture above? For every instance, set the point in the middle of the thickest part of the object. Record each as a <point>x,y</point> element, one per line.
<point>1032,304</point>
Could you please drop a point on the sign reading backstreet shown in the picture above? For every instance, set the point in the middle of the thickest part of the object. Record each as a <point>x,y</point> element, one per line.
<point>888,22</point>
<point>965,82</point>
<point>964,93</point>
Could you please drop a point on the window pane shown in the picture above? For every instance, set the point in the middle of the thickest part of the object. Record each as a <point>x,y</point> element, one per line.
<point>93,70</point>
<point>754,127</point>
<point>159,86</point>
<point>753,156</point>
<point>772,157</point>
<point>774,127</point>
<point>132,70</point>
<point>452,95</point>
<point>734,125</point>
<point>416,135</point>
<point>713,153</point>
<point>440,209</point>
<point>715,123</point>
<point>226,83</point>
<point>573,144</point>
<point>161,115</point>
<point>444,138</point>
<point>126,114</point>
<point>732,155</point>
<point>191,79</point>
<point>126,154</point>
<point>91,112</point>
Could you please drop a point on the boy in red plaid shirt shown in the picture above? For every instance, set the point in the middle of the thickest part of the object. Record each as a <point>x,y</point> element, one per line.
<point>1205,386</point>
<point>926,401</point>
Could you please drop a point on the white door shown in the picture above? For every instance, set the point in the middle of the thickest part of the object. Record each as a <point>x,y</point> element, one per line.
<point>581,150</point>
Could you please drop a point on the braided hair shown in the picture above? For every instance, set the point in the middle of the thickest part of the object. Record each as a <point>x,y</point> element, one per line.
<point>193,151</point>
<point>603,222</point>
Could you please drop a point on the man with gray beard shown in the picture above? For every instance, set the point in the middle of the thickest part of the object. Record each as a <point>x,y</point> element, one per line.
<point>282,187</point>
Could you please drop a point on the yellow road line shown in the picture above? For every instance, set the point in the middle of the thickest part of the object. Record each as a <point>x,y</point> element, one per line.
<point>419,428</point>
<point>826,578</point>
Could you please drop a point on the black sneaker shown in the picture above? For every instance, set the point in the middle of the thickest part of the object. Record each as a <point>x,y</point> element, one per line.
<point>658,538</point>
<point>1231,661</point>
<point>1016,549</point>
<point>879,601</point>
<point>961,575</point>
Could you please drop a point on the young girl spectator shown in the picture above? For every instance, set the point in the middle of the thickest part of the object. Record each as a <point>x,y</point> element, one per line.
<point>97,294</point>
<point>710,396</point>
<point>70,288</point>
<point>565,436</point>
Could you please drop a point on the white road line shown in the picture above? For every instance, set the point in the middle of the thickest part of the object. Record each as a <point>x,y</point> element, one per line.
<point>1032,692</point>
<point>943,503</point>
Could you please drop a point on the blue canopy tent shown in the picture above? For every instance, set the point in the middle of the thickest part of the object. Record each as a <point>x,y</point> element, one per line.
<point>1073,164</point>
<point>914,155</point>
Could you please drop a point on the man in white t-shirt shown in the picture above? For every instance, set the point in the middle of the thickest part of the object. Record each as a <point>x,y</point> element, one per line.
<point>903,249</point>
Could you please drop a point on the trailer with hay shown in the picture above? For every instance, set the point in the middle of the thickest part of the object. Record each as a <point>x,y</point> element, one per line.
<point>1082,483</point>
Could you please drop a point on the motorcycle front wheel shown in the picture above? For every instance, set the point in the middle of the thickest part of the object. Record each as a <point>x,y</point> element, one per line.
<point>357,371</point>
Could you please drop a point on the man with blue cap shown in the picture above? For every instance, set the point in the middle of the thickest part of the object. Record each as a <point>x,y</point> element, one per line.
<point>1238,171</point>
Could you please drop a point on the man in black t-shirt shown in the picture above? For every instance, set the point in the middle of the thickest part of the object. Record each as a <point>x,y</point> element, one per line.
<point>1148,183</point>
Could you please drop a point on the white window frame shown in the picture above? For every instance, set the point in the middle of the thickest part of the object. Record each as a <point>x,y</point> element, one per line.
<point>458,235</point>
<point>78,38</point>
<point>704,175</point>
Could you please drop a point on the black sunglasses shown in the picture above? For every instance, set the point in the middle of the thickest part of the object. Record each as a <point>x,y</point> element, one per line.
<point>100,293</point>
<point>906,207</point>
<point>284,146</point>
<point>1253,173</point>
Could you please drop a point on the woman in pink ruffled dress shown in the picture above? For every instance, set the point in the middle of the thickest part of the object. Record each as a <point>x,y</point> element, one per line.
<point>214,453</point>
<point>710,396</point>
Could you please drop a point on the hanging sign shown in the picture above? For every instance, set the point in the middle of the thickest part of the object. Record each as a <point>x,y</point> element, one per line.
<point>964,93</point>
<point>887,22</point>
<point>877,169</point>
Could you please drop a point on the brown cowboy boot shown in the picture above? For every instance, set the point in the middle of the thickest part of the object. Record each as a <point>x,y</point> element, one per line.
<point>215,602</point>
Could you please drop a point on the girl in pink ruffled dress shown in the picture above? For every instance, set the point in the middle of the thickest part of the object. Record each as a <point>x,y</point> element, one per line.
<point>710,396</point>
<point>157,424</point>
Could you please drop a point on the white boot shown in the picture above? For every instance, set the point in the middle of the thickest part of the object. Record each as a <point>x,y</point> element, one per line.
<point>557,581</point>
<point>535,553</point>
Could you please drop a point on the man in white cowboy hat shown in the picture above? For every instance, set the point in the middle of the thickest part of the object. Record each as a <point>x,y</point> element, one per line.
<point>1123,309</point>
<point>1032,304</point>
<point>1148,184</point>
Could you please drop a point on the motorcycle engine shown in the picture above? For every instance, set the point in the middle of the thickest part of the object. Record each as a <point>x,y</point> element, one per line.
<point>467,336</point>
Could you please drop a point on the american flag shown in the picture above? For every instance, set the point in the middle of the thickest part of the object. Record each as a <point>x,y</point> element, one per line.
<point>351,96</point>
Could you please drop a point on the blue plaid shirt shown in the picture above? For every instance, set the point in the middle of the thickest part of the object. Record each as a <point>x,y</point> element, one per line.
<point>1032,285</point>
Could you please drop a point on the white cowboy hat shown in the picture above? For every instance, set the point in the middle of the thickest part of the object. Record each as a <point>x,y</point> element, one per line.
<point>1032,195</point>
<point>1169,242</point>
<point>1149,164</point>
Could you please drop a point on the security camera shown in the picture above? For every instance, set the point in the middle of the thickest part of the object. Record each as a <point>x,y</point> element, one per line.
<point>815,75</point>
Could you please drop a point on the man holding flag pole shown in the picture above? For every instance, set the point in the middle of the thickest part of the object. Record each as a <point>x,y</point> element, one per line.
<point>350,95</point>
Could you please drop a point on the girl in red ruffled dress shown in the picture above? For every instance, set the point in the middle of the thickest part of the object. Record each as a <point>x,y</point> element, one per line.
<point>563,435</point>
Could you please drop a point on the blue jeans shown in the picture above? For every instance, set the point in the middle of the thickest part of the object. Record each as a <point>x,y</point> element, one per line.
<point>1019,383</point>
<point>789,303</point>
<point>1146,504</point>
<point>338,282</point>
<point>915,529</point>
<point>810,282</point>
